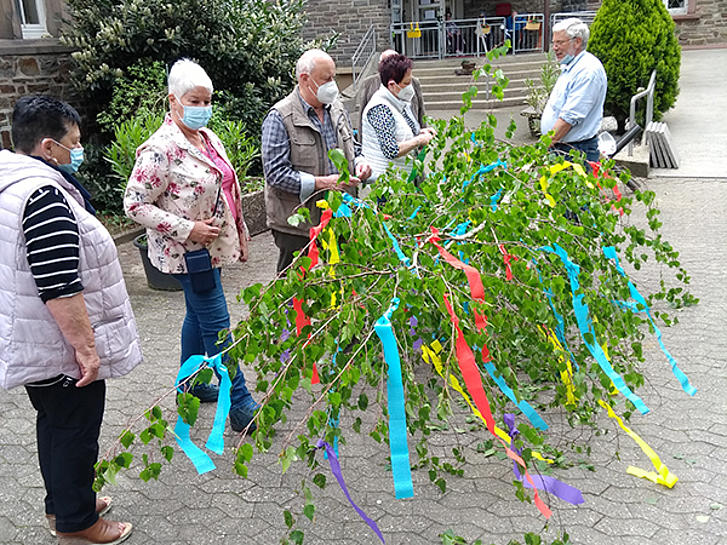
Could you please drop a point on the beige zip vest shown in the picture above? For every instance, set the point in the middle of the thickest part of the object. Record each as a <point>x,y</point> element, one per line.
<point>307,154</point>
<point>32,346</point>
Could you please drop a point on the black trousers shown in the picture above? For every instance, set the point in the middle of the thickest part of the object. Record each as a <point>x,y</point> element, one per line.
<point>287,244</point>
<point>67,427</point>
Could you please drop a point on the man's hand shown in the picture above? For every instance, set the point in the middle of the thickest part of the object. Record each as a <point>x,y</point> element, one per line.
<point>363,170</point>
<point>327,182</point>
<point>89,363</point>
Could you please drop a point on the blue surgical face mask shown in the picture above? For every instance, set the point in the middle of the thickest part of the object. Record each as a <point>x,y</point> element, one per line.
<point>566,60</point>
<point>76,159</point>
<point>196,117</point>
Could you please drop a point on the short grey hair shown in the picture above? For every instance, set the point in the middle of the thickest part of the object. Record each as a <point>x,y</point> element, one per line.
<point>387,53</point>
<point>185,75</point>
<point>574,28</point>
<point>307,61</point>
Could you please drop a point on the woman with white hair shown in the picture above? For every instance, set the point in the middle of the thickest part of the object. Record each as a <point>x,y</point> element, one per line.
<point>184,190</point>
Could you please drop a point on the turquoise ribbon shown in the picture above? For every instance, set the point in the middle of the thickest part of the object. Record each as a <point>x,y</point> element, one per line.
<point>403,258</point>
<point>610,253</point>
<point>484,170</point>
<point>494,200</point>
<point>586,327</point>
<point>400,466</point>
<point>523,405</point>
<point>201,460</point>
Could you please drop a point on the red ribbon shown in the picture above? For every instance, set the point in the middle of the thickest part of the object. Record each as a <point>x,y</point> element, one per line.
<point>596,167</point>
<point>506,258</point>
<point>473,275</point>
<point>473,381</point>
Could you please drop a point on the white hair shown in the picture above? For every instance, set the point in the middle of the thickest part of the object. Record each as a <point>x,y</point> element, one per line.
<point>185,75</point>
<point>307,61</point>
<point>574,28</point>
<point>387,53</point>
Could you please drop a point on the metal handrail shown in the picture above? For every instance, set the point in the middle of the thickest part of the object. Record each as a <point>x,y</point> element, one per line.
<point>369,36</point>
<point>649,94</point>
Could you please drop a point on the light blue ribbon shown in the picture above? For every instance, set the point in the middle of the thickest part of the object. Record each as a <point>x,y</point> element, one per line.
<point>215,442</point>
<point>403,258</point>
<point>586,327</point>
<point>523,405</point>
<point>484,170</point>
<point>495,199</point>
<point>400,466</point>
<point>610,253</point>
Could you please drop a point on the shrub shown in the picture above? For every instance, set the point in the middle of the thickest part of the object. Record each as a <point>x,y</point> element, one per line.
<point>631,39</point>
<point>248,48</point>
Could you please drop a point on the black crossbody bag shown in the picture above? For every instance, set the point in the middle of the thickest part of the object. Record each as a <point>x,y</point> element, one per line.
<point>199,264</point>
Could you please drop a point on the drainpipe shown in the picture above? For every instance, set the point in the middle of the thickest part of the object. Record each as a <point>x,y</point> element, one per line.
<point>546,25</point>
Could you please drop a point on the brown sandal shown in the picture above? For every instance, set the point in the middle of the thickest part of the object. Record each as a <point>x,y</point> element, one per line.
<point>103,532</point>
<point>103,506</point>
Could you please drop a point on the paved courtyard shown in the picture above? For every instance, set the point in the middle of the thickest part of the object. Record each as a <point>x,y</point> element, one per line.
<point>690,435</point>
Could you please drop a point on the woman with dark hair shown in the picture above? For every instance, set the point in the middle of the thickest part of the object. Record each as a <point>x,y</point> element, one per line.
<point>390,129</point>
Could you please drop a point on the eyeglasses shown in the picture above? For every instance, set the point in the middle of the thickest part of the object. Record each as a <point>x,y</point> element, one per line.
<point>561,42</point>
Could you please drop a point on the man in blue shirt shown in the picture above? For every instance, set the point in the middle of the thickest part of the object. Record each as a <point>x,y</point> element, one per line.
<point>575,108</point>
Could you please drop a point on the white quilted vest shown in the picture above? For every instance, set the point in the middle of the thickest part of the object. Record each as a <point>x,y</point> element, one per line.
<point>371,147</point>
<point>32,346</point>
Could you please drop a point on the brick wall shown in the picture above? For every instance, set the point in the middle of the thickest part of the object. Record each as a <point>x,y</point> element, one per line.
<point>29,67</point>
<point>706,25</point>
<point>351,18</point>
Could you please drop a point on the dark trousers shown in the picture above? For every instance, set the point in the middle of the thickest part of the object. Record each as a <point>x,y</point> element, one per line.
<point>67,427</point>
<point>589,147</point>
<point>287,244</point>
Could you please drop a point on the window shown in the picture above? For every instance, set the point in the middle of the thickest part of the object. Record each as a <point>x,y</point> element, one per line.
<point>32,18</point>
<point>676,7</point>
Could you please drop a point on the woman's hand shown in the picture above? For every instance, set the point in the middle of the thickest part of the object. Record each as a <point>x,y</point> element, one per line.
<point>204,232</point>
<point>424,137</point>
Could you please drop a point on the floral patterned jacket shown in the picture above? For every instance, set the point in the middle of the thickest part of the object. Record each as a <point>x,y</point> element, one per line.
<point>173,184</point>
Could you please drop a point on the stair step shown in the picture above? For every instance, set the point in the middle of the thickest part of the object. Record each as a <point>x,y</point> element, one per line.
<point>435,105</point>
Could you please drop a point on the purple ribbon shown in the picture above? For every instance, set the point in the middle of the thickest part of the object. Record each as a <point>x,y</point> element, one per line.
<point>542,482</point>
<point>336,470</point>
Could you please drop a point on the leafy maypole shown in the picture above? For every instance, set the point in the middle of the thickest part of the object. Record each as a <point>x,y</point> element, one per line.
<point>491,278</point>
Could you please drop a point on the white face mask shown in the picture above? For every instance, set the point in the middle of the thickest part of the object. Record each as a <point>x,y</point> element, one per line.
<point>406,93</point>
<point>327,93</point>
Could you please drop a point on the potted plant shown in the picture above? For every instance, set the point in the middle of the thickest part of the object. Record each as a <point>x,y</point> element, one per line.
<point>155,279</point>
<point>538,93</point>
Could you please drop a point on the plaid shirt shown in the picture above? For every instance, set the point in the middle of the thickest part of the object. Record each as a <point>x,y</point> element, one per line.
<point>279,171</point>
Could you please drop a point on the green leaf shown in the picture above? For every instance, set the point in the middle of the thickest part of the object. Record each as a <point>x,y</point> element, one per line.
<point>127,438</point>
<point>309,510</point>
<point>289,520</point>
<point>319,480</point>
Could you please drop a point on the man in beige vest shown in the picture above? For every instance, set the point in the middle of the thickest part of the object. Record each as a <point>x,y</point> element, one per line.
<point>297,135</point>
<point>372,83</point>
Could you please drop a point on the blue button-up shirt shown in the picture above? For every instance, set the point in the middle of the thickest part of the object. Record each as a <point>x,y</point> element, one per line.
<point>577,98</point>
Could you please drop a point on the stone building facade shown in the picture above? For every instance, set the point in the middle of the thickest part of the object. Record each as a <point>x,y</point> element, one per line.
<point>699,22</point>
<point>30,64</point>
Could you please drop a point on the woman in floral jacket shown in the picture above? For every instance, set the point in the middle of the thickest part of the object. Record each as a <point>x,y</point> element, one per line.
<point>184,190</point>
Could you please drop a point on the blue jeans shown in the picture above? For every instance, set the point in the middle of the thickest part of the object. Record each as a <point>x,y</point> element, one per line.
<point>206,316</point>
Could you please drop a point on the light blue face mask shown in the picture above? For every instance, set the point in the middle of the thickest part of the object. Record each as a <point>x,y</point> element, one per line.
<point>566,60</point>
<point>76,159</point>
<point>196,117</point>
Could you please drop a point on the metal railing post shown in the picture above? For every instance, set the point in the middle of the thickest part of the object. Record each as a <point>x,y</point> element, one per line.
<point>648,92</point>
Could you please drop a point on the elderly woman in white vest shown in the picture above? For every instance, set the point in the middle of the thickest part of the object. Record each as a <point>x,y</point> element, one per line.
<point>65,319</point>
<point>390,129</point>
<point>184,190</point>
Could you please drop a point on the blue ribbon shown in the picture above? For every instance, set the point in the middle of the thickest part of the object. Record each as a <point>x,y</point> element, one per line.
<point>405,260</point>
<point>201,460</point>
<point>560,326</point>
<point>400,466</point>
<point>334,417</point>
<point>494,200</point>
<point>610,253</point>
<point>484,170</point>
<point>586,327</point>
<point>523,405</point>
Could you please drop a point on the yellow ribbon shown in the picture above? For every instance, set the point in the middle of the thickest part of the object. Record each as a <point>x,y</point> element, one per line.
<point>662,475</point>
<point>553,171</point>
<point>430,355</point>
<point>567,375</point>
